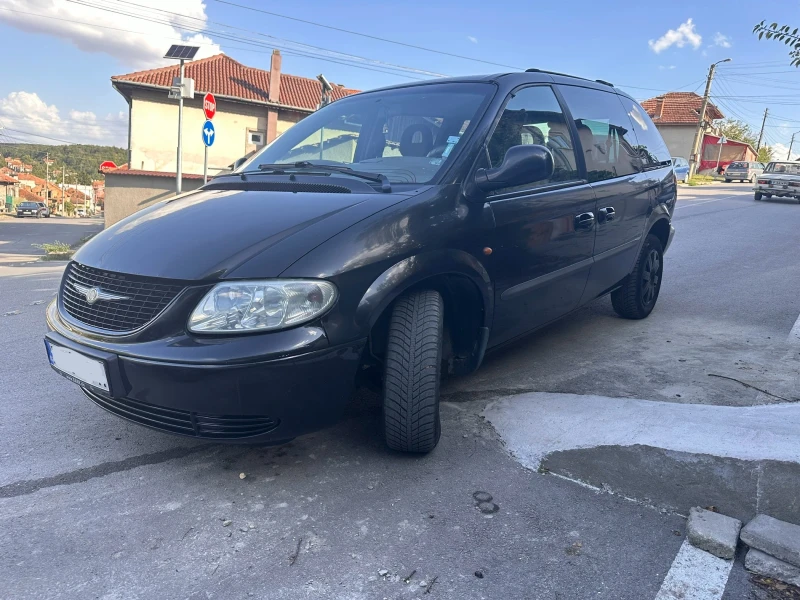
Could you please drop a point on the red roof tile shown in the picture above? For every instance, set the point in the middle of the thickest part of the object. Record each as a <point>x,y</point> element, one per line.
<point>224,76</point>
<point>124,170</point>
<point>679,108</point>
<point>6,179</point>
<point>29,196</point>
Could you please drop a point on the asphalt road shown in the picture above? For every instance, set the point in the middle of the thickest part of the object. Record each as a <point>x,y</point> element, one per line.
<point>92,507</point>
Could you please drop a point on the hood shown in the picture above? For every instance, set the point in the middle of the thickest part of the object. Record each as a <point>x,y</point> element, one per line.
<point>208,233</point>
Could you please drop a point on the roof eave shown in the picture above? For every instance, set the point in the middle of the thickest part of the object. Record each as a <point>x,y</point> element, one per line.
<point>136,84</point>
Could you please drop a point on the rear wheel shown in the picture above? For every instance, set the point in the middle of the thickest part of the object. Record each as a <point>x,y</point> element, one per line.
<point>637,296</point>
<point>412,373</point>
<point>758,195</point>
<point>727,181</point>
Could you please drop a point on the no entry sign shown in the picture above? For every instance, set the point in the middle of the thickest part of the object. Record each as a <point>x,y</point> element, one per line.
<point>209,105</point>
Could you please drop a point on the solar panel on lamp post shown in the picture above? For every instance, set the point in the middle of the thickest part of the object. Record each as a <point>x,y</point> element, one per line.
<point>181,53</point>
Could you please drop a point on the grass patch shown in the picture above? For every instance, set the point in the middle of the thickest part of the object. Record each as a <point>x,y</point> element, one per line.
<point>701,180</point>
<point>61,250</point>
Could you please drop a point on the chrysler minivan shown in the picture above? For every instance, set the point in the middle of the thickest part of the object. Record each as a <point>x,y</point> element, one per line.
<point>404,231</point>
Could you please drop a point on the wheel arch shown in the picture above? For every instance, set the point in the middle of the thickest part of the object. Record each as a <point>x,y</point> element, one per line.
<point>467,293</point>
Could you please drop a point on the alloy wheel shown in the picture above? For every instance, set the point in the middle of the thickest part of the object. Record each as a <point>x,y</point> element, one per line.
<point>651,277</point>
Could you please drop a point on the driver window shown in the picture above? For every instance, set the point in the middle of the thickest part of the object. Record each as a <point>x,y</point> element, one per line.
<point>533,116</point>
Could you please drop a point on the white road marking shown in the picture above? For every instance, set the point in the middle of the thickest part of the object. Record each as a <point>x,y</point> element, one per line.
<point>704,202</point>
<point>695,574</point>
<point>794,334</point>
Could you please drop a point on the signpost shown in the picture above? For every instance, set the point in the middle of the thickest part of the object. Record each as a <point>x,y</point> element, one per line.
<point>208,139</point>
<point>722,140</point>
<point>209,105</point>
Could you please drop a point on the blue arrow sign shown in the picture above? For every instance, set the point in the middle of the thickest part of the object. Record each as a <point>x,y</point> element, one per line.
<point>208,133</point>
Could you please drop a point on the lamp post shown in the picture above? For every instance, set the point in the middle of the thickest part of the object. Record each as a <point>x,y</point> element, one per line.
<point>693,159</point>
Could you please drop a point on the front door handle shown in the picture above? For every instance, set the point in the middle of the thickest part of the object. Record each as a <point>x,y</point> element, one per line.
<point>584,220</point>
<point>606,214</point>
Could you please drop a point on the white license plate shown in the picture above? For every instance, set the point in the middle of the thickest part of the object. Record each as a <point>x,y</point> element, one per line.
<point>76,367</point>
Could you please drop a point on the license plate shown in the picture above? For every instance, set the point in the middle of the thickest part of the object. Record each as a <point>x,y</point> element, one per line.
<point>76,367</point>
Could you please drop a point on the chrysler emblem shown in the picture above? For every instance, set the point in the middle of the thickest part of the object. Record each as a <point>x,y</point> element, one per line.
<point>93,294</point>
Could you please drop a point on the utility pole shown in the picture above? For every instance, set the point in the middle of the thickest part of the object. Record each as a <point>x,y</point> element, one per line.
<point>47,178</point>
<point>761,135</point>
<point>63,186</point>
<point>789,155</point>
<point>698,138</point>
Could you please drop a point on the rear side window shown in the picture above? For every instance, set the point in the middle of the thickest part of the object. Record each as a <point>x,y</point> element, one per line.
<point>651,146</point>
<point>533,116</point>
<point>604,132</point>
<point>739,165</point>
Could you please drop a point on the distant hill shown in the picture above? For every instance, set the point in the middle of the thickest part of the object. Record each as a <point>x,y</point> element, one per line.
<point>83,159</point>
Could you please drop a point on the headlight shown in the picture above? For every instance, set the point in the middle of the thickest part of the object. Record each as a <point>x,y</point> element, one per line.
<point>242,306</point>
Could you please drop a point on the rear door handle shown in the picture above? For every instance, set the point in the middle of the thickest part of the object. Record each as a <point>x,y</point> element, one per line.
<point>606,214</point>
<point>584,220</point>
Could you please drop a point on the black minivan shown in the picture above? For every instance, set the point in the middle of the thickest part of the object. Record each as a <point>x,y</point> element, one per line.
<point>406,230</point>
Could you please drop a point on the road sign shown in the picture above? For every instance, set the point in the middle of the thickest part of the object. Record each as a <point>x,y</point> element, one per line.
<point>723,140</point>
<point>209,106</point>
<point>208,133</point>
<point>108,164</point>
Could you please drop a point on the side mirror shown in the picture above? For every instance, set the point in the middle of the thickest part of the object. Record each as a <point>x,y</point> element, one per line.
<point>521,165</point>
<point>239,162</point>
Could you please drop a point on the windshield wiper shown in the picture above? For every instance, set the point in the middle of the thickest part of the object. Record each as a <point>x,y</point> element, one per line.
<point>304,165</point>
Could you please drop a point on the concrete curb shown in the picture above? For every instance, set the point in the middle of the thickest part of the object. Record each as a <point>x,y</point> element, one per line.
<point>743,460</point>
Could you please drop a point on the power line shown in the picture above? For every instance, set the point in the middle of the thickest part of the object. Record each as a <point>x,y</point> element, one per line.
<point>366,35</point>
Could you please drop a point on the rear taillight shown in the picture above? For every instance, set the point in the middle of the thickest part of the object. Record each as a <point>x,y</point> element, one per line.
<point>764,181</point>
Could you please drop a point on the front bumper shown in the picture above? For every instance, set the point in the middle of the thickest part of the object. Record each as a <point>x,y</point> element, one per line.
<point>295,384</point>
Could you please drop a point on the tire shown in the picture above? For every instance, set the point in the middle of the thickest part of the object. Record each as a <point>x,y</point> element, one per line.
<point>758,196</point>
<point>412,373</point>
<point>727,181</point>
<point>637,297</point>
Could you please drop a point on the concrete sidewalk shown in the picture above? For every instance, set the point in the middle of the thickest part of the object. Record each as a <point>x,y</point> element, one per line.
<point>743,460</point>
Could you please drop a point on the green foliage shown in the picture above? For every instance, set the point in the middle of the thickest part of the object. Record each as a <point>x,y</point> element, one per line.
<point>734,129</point>
<point>82,159</point>
<point>55,248</point>
<point>69,208</point>
<point>782,33</point>
<point>700,180</point>
<point>765,154</point>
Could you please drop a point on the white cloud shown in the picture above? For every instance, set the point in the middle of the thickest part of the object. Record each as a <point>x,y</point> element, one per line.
<point>27,112</point>
<point>723,41</point>
<point>472,39</point>
<point>684,34</point>
<point>780,151</point>
<point>666,68</point>
<point>134,42</point>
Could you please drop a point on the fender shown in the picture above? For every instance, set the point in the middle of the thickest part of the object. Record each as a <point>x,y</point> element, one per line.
<point>408,272</point>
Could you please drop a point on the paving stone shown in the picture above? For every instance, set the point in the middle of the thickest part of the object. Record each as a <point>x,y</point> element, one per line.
<point>777,538</point>
<point>769,566</point>
<point>713,532</point>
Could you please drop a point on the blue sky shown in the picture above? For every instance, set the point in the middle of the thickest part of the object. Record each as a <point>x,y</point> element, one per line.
<point>60,54</point>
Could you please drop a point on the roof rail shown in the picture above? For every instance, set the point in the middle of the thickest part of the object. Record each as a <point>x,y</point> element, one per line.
<point>566,75</point>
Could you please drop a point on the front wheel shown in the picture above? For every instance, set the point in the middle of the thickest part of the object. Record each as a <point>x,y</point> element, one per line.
<point>758,195</point>
<point>727,181</point>
<point>412,373</point>
<point>637,296</point>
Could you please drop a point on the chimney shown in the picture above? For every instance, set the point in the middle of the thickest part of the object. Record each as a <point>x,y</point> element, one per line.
<point>275,76</point>
<point>659,107</point>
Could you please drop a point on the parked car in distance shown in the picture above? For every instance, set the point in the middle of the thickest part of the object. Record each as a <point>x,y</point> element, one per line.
<point>45,208</point>
<point>681,167</point>
<point>780,179</point>
<point>32,209</point>
<point>81,212</point>
<point>400,232</point>
<point>743,170</point>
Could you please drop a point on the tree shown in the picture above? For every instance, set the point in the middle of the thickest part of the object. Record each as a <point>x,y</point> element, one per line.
<point>782,33</point>
<point>765,154</point>
<point>734,129</point>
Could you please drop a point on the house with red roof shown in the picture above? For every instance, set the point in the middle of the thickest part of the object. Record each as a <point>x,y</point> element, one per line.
<point>254,107</point>
<point>676,115</point>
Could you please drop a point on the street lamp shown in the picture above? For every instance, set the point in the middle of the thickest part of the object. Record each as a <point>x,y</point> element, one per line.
<point>693,161</point>
<point>181,88</point>
<point>789,155</point>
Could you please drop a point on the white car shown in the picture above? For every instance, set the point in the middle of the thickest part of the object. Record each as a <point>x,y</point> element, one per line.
<point>780,179</point>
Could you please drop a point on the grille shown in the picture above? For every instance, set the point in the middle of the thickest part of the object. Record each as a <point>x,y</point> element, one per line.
<point>184,422</point>
<point>145,297</point>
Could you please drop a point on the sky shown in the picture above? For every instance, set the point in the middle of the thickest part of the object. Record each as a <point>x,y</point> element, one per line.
<point>61,54</point>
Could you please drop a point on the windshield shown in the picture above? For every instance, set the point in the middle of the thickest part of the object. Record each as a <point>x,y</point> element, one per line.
<point>789,168</point>
<point>405,134</point>
<point>29,205</point>
<point>738,165</point>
